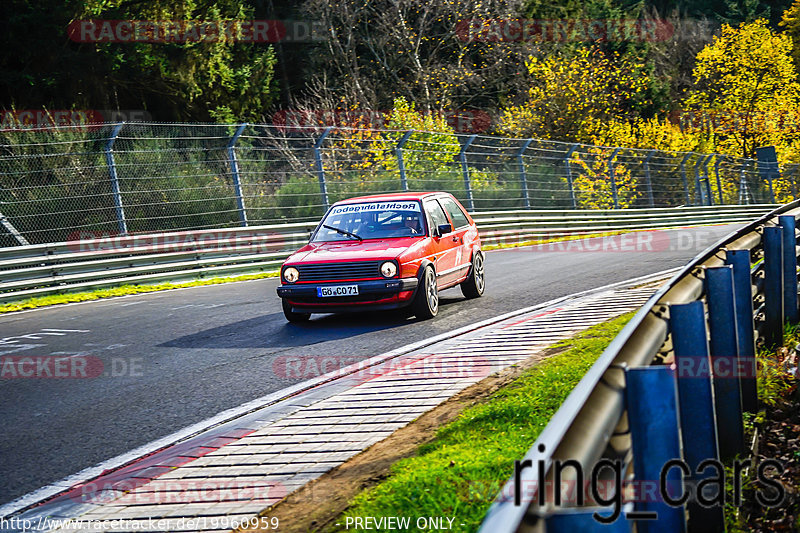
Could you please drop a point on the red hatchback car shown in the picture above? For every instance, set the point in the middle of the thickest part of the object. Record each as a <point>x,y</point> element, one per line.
<point>386,251</point>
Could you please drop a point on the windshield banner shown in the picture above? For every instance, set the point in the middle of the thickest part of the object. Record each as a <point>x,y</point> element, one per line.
<point>376,207</point>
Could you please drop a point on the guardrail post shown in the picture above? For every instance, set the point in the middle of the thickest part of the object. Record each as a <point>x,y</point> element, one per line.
<point>568,169</point>
<point>791,315</point>
<point>773,286</point>
<point>717,160</point>
<point>685,180</point>
<point>401,165</point>
<point>323,187</point>
<point>743,292</point>
<point>648,178</point>
<point>237,183</point>
<point>698,424</point>
<point>112,172</point>
<point>523,175</point>
<point>653,419</point>
<point>462,155</point>
<point>724,349</point>
<point>614,192</point>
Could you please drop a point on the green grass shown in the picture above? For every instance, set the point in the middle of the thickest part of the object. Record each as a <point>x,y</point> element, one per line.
<point>461,471</point>
<point>124,290</point>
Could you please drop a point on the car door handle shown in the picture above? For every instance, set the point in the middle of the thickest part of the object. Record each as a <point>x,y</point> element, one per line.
<point>455,239</point>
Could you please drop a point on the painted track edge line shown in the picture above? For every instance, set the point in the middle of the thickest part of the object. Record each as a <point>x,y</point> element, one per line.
<point>38,496</point>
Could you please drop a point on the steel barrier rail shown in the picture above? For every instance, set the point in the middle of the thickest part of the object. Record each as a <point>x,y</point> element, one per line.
<point>595,422</point>
<point>94,261</point>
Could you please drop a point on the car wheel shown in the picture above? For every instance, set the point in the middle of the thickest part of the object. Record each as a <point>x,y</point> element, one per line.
<point>291,316</point>
<point>472,287</point>
<point>426,302</point>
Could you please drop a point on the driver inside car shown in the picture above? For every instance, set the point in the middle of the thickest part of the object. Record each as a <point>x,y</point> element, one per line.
<point>412,222</point>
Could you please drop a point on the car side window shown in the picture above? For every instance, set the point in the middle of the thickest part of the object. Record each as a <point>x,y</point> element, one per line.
<point>435,214</point>
<point>456,214</point>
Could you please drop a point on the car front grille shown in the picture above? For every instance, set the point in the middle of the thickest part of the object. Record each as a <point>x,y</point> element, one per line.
<point>339,271</point>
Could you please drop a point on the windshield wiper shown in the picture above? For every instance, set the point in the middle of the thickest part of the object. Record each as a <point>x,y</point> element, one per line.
<point>342,232</point>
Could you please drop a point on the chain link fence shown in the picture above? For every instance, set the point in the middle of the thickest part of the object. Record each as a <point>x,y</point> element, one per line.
<point>131,178</point>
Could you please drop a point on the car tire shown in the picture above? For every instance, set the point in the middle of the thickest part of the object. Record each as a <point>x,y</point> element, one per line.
<point>426,301</point>
<point>473,286</point>
<point>291,316</point>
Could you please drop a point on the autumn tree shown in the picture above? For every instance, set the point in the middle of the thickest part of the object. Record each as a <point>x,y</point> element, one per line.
<point>747,89</point>
<point>571,97</point>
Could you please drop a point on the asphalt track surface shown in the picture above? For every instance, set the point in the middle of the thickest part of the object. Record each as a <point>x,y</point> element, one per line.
<point>174,358</point>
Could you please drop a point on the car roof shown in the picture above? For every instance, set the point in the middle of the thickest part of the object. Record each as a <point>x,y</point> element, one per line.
<point>391,196</point>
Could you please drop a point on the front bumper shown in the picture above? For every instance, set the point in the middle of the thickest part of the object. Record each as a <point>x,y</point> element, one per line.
<point>373,294</point>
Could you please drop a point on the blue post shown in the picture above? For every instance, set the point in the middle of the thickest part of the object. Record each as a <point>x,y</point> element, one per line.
<point>582,519</point>
<point>523,175</point>
<point>237,183</point>
<point>648,178</point>
<point>112,172</point>
<point>698,424</point>
<point>401,165</point>
<point>653,419</point>
<point>685,180</point>
<point>743,293</point>
<point>787,222</point>
<point>462,155</point>
<point>724,350</point>
<point>614,192</point>
<point>568,168</point>
<point>323,187</point>
<point>773,286</point>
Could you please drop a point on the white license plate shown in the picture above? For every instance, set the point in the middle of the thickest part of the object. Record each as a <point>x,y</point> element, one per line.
<point>338,290</point>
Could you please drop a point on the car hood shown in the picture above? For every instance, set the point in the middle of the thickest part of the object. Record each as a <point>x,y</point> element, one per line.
<point>352,250</point>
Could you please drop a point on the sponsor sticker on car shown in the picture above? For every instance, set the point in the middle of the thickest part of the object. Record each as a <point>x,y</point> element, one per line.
<point>376,207</point>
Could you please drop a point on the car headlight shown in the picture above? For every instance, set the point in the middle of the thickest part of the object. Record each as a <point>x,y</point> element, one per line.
<point>388,269</point>
<point>291,274</point>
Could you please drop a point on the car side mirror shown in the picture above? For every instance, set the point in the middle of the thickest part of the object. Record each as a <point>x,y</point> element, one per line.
<point>443,228</point>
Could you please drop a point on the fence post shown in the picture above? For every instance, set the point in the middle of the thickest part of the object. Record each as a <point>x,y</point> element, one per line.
<point>699,195</point>
<point>112,172</point>
<point>568,168</point>
<point>685,180</point>
<point>743,292</point>
<point>237,183</point>
<point>698,422</point>
<point>401,165</point>
<point>614,192</point>
<point>462,155</point>
<point>790,311</point>
<point>323,187</point>
<point>773,286</point>
<point>724,349</point>
<point>12,230</point>
<point>743,192</point>
<point>653,419</point>
<point>709,197</point>
<point>648,178</point>
<point>717,160</point>
<point>523,176</point>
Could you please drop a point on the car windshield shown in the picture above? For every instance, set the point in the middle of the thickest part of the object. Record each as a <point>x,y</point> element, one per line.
<point>372,220</point>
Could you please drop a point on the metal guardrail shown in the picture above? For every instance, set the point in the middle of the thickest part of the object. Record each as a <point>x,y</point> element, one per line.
<point>648,399</point>
<point>98,261</point>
